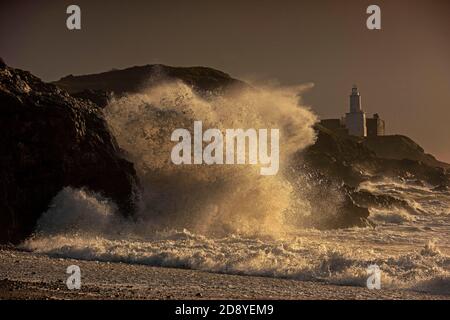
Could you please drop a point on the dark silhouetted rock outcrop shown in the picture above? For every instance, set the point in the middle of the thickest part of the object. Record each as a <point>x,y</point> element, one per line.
<point>400,147</point>
<point>49,140</point>
<point>97,87</point>
<point>350,160</point>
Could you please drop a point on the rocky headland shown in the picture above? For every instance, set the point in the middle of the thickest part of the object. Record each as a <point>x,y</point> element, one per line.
<point>54,135</point>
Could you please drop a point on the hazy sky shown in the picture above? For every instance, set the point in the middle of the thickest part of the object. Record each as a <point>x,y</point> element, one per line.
<point>403,70</point>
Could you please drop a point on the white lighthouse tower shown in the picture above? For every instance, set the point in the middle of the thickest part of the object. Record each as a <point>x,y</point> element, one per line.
<point>355,120</point>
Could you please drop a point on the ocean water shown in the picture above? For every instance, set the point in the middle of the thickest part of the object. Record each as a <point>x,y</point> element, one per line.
<point>229,219</point>
<point>412,250</point>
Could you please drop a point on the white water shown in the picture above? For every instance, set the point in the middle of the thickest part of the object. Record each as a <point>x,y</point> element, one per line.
<point>412,253</point>
<point>230,219</point>
<point>219,199</point>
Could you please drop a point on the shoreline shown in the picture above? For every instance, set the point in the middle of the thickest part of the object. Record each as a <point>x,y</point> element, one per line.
<point>30,276</point>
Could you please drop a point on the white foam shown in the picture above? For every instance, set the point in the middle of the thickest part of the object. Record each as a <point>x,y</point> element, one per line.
<point>81,225</point>
<point>220,198</point>
<point>294,258</point>
<point>393,215</point>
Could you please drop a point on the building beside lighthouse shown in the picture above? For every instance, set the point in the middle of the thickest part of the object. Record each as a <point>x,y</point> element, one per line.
<point>375,126</point>
<point>355,122</point>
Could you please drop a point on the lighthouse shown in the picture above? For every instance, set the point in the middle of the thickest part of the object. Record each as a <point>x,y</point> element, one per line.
<point>355,120</point>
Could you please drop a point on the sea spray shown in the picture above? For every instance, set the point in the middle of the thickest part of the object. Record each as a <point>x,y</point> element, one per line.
<point>235,147</point>
<point>211,199</point>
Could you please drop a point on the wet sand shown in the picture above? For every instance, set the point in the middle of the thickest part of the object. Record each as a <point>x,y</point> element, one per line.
<point>26,275</point>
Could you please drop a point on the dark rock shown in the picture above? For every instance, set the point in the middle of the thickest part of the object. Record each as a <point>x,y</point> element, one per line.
<point>335,156</point>
<point>96,87</point>
<point>399,147</point>
<point>350,214</point>
<point>49,140</point>
<point>347,159</point>
<point>339,210</point>
<point>346,215</point>
<point>99,97</point>
<point>367,199</point>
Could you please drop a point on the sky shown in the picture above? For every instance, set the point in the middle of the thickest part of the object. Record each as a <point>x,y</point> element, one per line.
<point>402,70</point>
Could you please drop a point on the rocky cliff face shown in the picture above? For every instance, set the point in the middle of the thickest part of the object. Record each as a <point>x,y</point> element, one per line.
<point>351,160</point>
<point>49,140</point>
<point>398,147</point>
<point>98,87</point>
